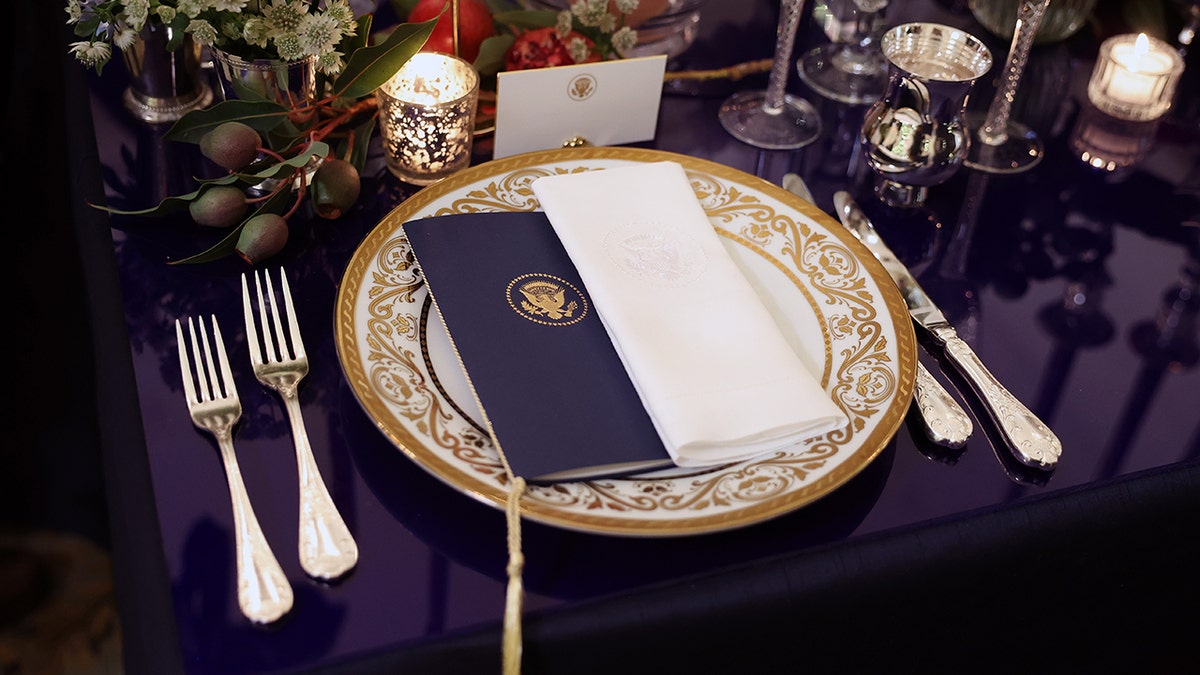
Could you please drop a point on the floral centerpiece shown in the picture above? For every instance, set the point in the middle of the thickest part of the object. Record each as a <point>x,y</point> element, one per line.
<point>273,29</point>
<point>264,142</point>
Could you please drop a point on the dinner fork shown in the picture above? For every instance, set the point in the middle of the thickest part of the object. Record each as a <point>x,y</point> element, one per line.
<point>263,591</point>
<point>327,549</point>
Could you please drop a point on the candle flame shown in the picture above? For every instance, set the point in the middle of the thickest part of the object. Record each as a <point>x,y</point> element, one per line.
<point>1141,46</point>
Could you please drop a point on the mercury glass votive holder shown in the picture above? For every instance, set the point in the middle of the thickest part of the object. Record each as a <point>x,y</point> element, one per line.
<point>1135,77</point>
<point>427,117</point>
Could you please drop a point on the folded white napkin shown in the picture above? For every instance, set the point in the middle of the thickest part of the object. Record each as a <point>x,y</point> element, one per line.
<point>714,371</point>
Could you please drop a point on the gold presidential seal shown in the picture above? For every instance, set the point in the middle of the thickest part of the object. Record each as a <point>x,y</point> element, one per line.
<point>581,87</point>
<point>546,299</point>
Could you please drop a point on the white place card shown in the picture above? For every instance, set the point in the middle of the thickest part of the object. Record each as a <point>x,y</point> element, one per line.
<point>604,103</point>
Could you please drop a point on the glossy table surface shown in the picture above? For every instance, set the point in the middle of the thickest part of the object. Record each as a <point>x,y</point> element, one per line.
<point>1076,286</point>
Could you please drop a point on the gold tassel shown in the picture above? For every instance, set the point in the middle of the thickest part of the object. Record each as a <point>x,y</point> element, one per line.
<point>515,597</point>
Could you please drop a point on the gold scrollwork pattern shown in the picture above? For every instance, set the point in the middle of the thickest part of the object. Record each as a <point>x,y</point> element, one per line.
<point>863,382</point>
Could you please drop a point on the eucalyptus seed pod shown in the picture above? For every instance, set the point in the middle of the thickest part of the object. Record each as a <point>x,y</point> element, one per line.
<point>335,187</point>
<point>262,236</point>
<point>231,145</point>
<point>219,206</point>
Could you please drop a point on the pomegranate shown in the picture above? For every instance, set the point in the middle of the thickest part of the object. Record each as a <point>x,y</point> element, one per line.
<point>542,48</point>
<point>474,26</point>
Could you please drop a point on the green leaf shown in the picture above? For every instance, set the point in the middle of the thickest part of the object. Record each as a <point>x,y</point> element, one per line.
<point>361,37</point>
<point>287,167</point>
<point>527,18</point>
<point>87,28</point>
<point>491,54</point>
<point>403,7</point>
<point>228,244</point>
<point>261,115</point>
<point>498,6</point>
<point>173,203</point>
<point>370,67</point>
<point>362,143</point>
<point>284,135</point>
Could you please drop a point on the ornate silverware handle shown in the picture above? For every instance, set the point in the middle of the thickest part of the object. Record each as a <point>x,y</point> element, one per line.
<point>1031,441</point>
<point>263,591</point>
<point>327,549</point>
<point>945,422</point>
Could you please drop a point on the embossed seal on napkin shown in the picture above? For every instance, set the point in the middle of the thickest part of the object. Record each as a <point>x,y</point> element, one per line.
<point>712,367</point>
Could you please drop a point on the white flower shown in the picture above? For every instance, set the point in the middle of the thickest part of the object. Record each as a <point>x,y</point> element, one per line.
<point>627,6</point>
<point>202,32</point>
<point>74,12</point>
<point>624,40</point>
<point>578,49</point>
<point>590,12</point>
<point>166,13</point>
<point>124,37</point>
<point>290,47</point>
<point>318,33</point>
<point>91,54</point>
<point>256,32</point>
<point>284,16</point>
<point>330,63</point>
<point>340,11</point>
<point>135,13</point>
<point>191,8</point>
<point>562,26</point>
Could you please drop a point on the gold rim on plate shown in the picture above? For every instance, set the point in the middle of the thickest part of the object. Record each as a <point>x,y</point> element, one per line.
<point>814,275</point>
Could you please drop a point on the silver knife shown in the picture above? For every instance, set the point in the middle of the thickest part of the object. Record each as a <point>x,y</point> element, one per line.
<point>1030,440</point>
<point>943,420</point>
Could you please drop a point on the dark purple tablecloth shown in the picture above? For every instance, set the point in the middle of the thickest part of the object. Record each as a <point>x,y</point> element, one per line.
<point>1075,285</point>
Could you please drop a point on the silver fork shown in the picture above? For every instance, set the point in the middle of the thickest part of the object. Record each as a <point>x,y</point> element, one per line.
<point>327,549</point>
<point>263,591</point>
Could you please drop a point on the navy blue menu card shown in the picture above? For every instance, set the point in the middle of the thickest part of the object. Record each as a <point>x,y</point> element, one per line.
<point>555,395</point>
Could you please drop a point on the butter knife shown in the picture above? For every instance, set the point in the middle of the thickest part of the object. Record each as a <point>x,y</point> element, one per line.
<point>1028,438</point>
<point>943,420</point>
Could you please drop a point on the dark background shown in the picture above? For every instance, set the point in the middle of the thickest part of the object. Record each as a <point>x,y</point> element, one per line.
<point>57,613</point>
<point>50,478</point>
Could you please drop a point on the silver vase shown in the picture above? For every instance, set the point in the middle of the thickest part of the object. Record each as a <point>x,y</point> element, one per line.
<point>291,84</point>
<point>164,85</point>
<point>288,83</point>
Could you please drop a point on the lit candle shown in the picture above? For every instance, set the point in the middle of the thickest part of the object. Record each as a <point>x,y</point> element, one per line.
<point>1135,77</point>
<point>427,117</point>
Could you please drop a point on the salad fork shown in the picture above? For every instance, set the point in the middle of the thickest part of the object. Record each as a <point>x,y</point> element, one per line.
<point>327,549</point>
<point>263,591</point>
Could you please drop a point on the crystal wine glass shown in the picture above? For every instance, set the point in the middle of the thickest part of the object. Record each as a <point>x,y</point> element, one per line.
<point>773,119</point>
<point>850,68</point>
<point>1000,144</point>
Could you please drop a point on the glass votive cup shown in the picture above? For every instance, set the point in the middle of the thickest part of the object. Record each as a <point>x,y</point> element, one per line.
<point>1135,77</point>
<point>427,117</point>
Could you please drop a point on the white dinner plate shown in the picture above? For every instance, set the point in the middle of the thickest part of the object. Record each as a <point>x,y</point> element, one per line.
<point>816,277</point>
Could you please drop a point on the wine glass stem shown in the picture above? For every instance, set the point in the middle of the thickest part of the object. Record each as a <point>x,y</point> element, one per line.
<point>1029,17</point>
<point>785,37</point>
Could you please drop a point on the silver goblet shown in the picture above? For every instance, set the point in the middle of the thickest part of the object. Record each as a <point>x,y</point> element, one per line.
<point>915,136</point>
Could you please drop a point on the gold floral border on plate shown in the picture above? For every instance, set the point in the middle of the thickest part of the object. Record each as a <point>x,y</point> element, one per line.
<point>382,308</point>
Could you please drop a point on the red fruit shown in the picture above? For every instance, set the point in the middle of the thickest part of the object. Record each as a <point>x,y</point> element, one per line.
<point>474,26</point>
<point>542,48</point>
